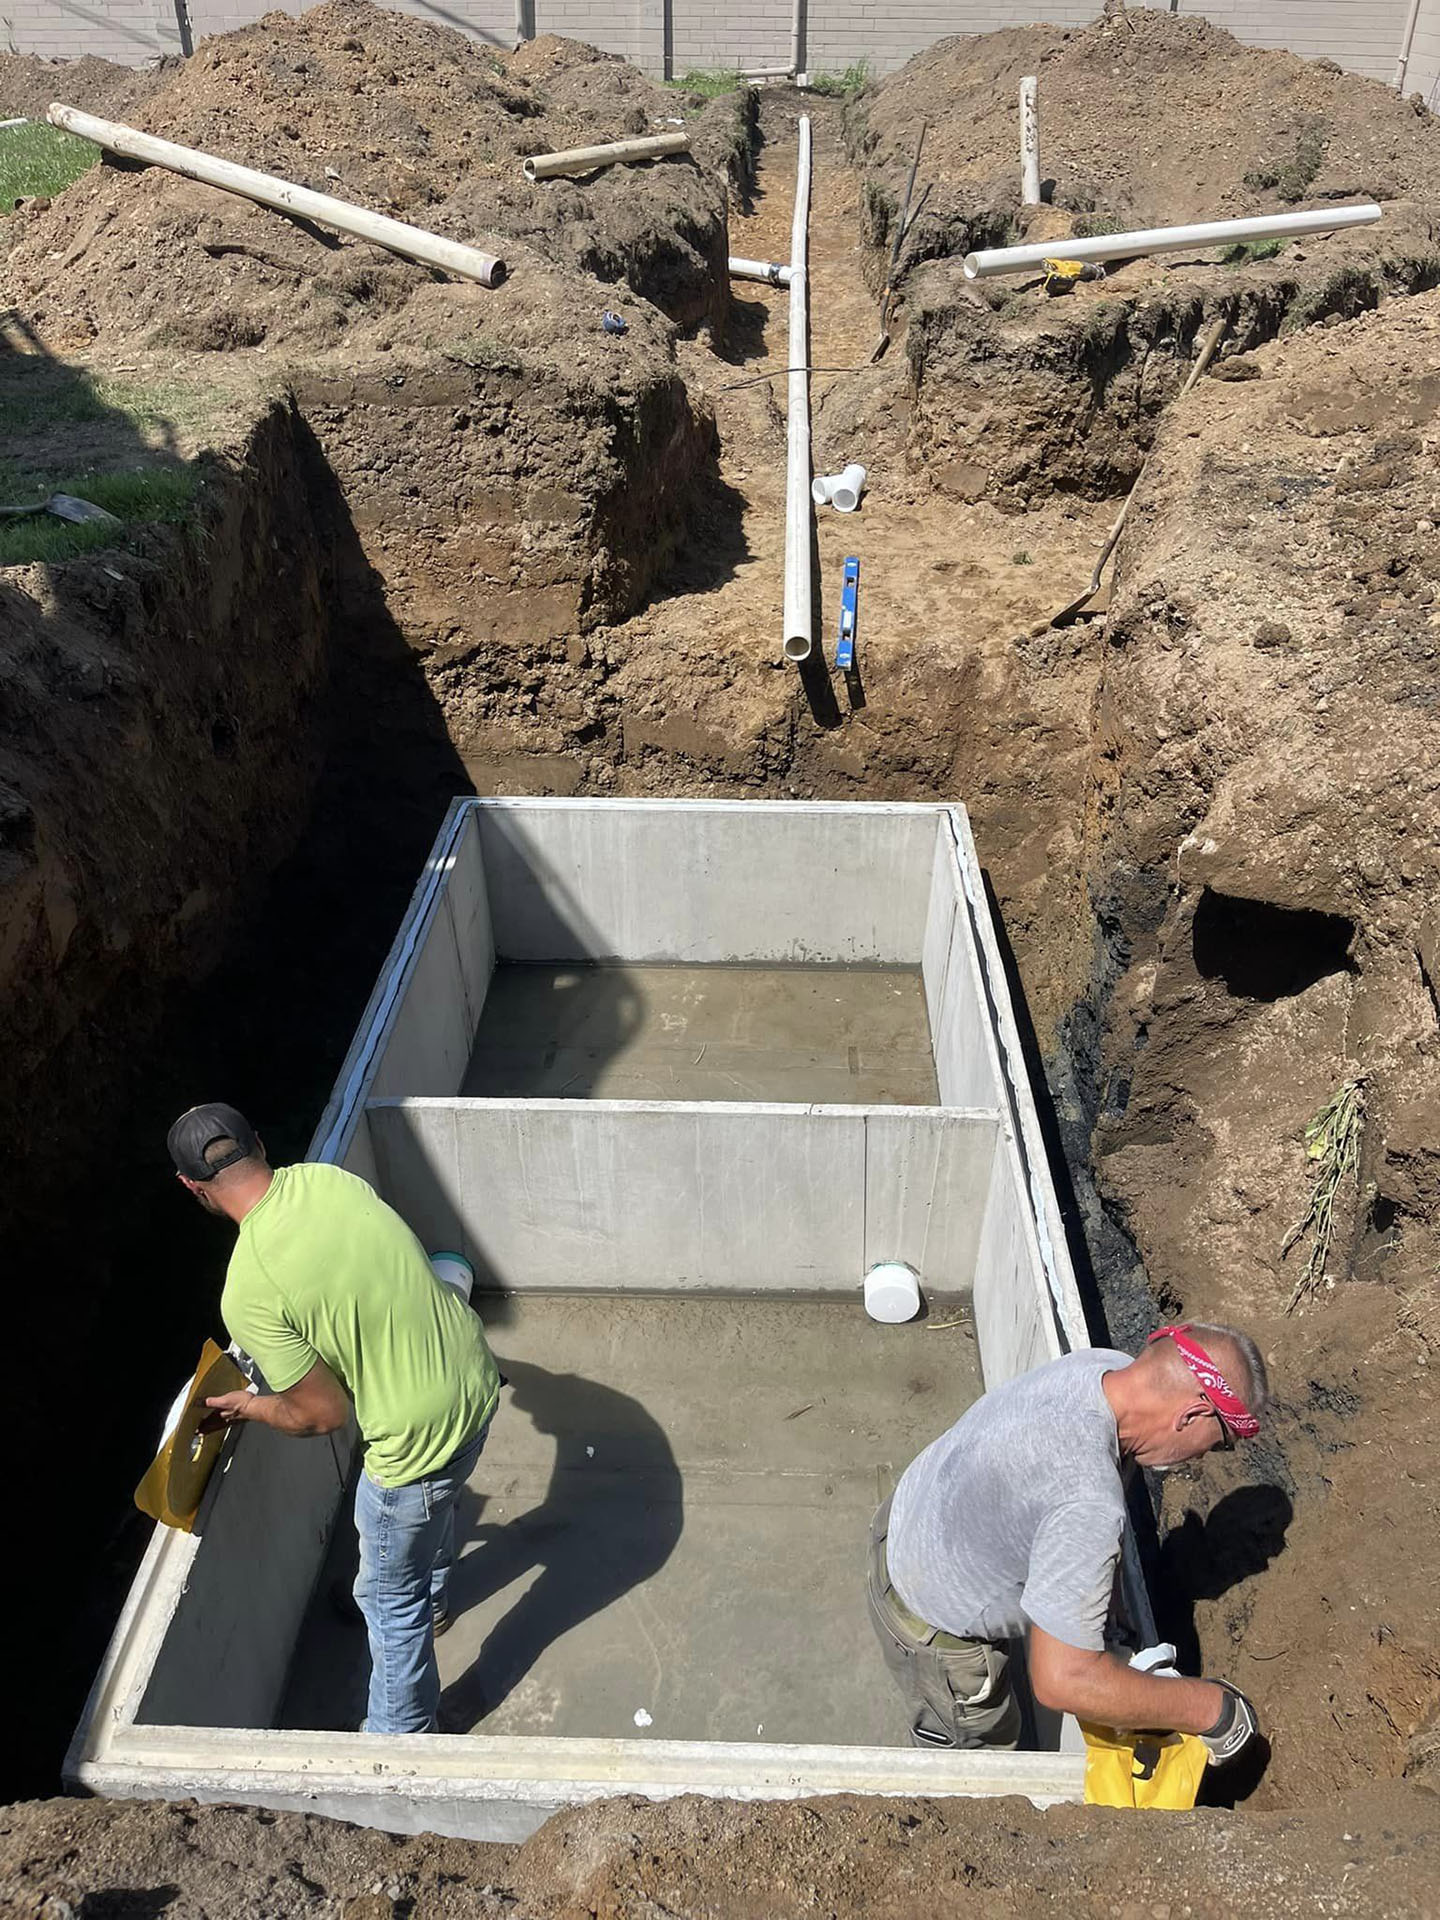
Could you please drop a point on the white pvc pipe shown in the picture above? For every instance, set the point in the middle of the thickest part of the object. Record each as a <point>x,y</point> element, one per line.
<point>1406,44</point>
<point>797,41</point>
<point>1125,246</point>
<point>799,633</point>
<point>771,270</point>
<point>652,146</point>
<point>1029,141</point>
<point>452,256</point>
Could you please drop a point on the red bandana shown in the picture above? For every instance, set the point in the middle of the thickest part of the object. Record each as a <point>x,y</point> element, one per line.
<point>1213,1384</point>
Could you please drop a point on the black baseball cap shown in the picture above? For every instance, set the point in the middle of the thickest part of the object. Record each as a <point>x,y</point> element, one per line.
<point>202,1127</point>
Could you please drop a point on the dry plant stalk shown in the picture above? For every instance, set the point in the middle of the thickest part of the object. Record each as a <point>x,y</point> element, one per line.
<point>1332,1144</point>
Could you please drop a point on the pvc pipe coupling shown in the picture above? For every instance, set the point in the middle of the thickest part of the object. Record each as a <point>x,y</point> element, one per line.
<point>839,490</point>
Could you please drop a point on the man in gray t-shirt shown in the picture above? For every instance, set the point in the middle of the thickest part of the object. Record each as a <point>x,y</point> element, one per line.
<point>1009,1527</point>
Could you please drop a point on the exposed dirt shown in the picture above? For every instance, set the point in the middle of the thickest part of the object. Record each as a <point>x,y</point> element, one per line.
<point>537,558</point>
<point>407,119</point>
<point>29,84</point>
<point>1268,760</point>
<point>1153,117</point>
<point>1016,392</point>
<point>1369,1854</point>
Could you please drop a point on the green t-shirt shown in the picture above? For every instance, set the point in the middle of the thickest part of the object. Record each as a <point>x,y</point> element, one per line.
<point>324,1269</point>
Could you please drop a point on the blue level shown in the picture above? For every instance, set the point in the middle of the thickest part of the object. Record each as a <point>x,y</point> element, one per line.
<point>849,610</point>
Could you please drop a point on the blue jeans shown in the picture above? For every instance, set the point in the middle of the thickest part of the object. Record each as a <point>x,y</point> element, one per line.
<point>407,1544</point>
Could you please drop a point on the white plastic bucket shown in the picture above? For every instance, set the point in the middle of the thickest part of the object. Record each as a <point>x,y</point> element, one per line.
<point>455,1270</point>
<point>846,491</point>
<point>892,1292</point>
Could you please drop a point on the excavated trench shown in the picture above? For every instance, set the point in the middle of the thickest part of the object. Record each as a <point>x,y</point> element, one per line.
<point>508,580</point>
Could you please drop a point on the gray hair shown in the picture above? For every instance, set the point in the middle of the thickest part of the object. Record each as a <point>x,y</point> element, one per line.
<point>1253,1386</point>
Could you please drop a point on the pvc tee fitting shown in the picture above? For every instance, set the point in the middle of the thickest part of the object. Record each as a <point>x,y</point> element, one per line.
<point>839,490</point>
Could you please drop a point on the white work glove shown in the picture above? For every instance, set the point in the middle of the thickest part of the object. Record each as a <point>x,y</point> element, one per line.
<point>1158,1660</point>
<point>1234,1730</point>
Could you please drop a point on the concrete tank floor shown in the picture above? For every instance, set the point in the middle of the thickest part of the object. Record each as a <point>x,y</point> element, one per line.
<point>670,1518</point>
<point>835,1035</point>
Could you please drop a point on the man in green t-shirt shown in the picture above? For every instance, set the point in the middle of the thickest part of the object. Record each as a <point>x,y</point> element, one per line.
<point>333,1297</point>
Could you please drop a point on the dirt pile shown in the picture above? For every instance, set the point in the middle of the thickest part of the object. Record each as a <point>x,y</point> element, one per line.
<point>713,1860</point>
<point>1150,119</point>
<point>408,119</point>
<point>1147,118</point>
<point>29,84</point>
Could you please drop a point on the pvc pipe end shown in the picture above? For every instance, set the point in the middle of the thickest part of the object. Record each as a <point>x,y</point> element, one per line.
<point>972,266</point>
<point>528,169</point>
<point>820,488</point>
<point>797,647</point>
<point>892,1292</point>
<point>497,276</point>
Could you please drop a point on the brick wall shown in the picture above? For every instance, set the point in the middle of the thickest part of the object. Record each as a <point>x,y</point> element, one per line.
<point>1363,35</point>
<point>131,31</point>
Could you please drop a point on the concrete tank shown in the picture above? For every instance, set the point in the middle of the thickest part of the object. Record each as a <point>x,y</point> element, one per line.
<point>673,1076</point>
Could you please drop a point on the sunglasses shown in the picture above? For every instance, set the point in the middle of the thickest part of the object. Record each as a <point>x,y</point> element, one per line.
<point>1227,1439</point>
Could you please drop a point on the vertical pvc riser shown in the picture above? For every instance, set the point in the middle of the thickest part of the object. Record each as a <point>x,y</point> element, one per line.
<point>1029,141</point>
<point>799,633</point>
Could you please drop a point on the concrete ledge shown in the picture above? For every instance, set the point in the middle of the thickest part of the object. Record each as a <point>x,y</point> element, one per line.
<point>503,1789</point>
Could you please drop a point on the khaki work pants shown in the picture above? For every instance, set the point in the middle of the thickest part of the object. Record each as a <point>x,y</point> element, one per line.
<point>957,1692</point>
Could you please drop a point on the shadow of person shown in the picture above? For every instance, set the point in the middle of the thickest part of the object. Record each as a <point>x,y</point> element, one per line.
<point>1207,1555</point>
<point>1233,1785</point>
<point>610,1518</point>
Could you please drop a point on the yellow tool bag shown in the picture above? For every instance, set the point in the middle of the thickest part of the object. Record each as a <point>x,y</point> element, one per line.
<point>1142,1769</point>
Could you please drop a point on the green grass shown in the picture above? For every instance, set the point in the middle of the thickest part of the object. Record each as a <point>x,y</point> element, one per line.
<point>708,82</point>
<point>489,355</point>
<point>53,398</point>
<point>1093,226</point>
<point>150,496</point>
<point>1245,251</point>
<point>845,85</point>
<point>1290,178</point>
<point>39,160</point>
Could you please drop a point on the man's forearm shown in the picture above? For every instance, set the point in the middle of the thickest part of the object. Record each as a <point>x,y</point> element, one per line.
<point>1115,1694</point>
<point>274,1410</point>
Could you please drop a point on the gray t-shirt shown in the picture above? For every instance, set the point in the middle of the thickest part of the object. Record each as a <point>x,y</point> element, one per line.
<point>1015,1515</point>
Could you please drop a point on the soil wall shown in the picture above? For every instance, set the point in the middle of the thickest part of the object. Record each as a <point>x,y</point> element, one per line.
<point>157,755</point>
